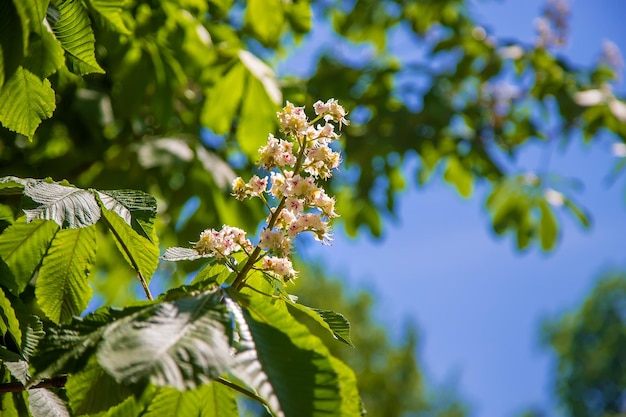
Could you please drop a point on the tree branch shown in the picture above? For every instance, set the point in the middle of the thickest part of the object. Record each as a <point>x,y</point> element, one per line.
<point>54,382</point>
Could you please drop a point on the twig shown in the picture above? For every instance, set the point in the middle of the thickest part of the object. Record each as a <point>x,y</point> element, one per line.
<point>54,382</point>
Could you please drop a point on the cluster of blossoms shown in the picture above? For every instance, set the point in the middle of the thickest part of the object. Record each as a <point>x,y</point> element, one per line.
<point>223,242</point>
<point>290,191</point>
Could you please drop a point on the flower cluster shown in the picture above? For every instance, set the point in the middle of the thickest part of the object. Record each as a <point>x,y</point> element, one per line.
<point>223,242</point>
<point>290,190</point>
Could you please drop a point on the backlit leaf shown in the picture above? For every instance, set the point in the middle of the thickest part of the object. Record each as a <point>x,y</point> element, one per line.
<point>258,115</point>
<point>22,246</point>
<point>25,100</point>
<point>210,400</point>
<point>73,30</point>
<point>62,288</point>
<point>549,227</point>
<point>110,11</point>
<point>266,18</point>
<point>222,102</point>
<point>139,252</point>
<point>458,176</point>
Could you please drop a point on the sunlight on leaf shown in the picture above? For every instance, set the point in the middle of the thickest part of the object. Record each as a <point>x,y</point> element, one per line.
<point>67,206</point>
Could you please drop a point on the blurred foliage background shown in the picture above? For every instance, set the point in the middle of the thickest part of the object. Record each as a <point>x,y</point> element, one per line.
<point>183,92</point>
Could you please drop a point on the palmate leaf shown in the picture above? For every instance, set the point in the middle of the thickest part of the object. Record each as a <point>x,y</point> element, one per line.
<point>287,365</point>
<point>181,344</point>
<point>25,100</point>
<point>138,209</point>
<point>139,252</point>
<point>73,29</point>
<point>62,289</point>
<point>67,206</point>
<point>22,247</point>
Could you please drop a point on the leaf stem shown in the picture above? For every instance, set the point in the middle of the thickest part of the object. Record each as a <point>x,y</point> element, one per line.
<point>241,390</point>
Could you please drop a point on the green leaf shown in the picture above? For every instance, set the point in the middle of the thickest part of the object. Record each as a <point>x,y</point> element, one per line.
<point>73,30</point>
<point>44,403</point>
<point>32,334</point>
<point>258,116</point>
<point>111,12</point>
<point>211,400</point>
<point>578,212</point>
<point>22,247</point>
<point>14,404</point>
<point>287,365</point>
<point>214,272</point>
<point>300,16</point>
<point>12,41</point>
<point>139,252</point>
<point>266,18</point>
<point>62,288</point>
<point>181,344</point>
<point>222,101</point>
<point>93,390</point>
<point>458,176</point>
<point>138,209</point>
<point>67,206</point>
<point>334,323</point>
<point>25,100</point>
<point>337,323</point>
<point>45,55</point>
<point>549,229</point>
<point>12,185</point>
<point>8,319</point>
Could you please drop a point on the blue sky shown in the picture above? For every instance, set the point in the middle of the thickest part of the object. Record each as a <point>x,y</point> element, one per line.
<point>477,301</point>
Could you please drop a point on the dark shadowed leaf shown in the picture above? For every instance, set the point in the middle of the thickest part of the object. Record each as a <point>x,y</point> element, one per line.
<point>277,353</point>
